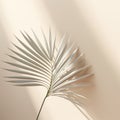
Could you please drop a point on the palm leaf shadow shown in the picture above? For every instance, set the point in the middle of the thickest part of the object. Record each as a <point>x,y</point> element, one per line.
<point>60,68</point>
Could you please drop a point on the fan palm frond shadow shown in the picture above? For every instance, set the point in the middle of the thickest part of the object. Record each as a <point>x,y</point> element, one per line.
<point>59,67</point>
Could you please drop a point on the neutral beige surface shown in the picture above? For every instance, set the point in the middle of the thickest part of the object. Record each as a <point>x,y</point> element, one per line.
<point>94,26</point>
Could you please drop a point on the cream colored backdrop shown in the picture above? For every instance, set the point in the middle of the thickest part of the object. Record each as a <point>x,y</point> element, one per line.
<point>94,25</point>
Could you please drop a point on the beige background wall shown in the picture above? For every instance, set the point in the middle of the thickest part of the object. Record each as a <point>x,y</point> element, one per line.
<point>94,25</point>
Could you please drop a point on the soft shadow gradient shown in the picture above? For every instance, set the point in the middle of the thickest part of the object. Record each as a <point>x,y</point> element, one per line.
<point>15,102</point>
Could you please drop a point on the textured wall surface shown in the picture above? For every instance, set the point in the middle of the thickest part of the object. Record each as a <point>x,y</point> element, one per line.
<point>94,25</point>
